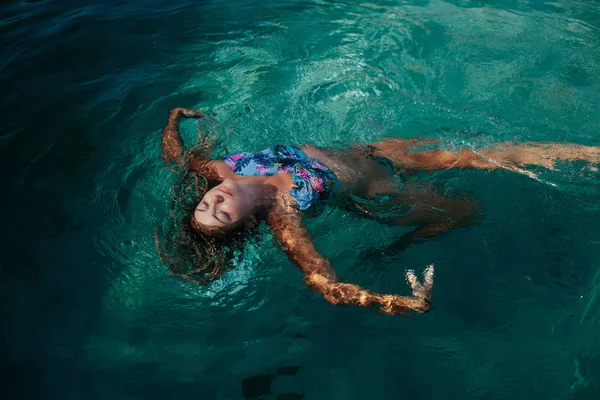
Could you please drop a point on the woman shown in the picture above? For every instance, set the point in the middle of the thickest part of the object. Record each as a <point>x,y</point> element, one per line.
<point>278,184</point>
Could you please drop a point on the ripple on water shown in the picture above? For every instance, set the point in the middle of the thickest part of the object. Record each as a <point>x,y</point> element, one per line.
<point>516,297</point>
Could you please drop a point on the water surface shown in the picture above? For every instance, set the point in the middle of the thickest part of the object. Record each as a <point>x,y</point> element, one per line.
<point>90,312</point>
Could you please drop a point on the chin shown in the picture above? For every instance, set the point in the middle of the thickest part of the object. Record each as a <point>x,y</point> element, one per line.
<point>231,186</point>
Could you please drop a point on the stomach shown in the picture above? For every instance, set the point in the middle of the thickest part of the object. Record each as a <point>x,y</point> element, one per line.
<point>353,167</point>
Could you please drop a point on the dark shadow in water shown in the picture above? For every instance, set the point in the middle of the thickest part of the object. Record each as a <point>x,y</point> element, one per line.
<point>62,115</point>
<point>73,79</point>
<point>259,386</point>
<point>76,76</point>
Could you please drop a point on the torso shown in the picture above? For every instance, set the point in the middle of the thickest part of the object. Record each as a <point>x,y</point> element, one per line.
<point>353,170</point>
<point>283,182</point>
<point>311,180</point>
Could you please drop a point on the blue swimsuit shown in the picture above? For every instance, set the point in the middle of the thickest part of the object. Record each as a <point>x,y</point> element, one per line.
<point>311,179</point>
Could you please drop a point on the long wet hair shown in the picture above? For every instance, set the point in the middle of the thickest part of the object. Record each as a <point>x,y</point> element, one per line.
<point>188,249</point>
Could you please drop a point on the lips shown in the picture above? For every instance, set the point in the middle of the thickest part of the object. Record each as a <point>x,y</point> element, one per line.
<point>225,191</point>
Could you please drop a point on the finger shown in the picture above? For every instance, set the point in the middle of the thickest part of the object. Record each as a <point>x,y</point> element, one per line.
<point>193,113</point>
<point>428,276</point>
<point>412,279</point>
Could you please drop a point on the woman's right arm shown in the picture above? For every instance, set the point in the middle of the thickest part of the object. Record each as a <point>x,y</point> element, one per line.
<point>320,276</point>
<point>172,143</point>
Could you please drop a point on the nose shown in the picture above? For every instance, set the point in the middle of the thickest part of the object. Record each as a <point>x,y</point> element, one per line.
<point>217,198</point>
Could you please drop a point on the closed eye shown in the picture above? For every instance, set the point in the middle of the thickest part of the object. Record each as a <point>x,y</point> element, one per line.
<point>202,207</point>
<point>225,217</point>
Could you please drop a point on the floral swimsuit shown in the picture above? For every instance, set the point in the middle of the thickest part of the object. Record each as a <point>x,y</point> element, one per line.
<point>311,179</point>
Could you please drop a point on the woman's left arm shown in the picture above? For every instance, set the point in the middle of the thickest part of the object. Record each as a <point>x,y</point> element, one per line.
<point>172,143</point>
<point>320,276</point>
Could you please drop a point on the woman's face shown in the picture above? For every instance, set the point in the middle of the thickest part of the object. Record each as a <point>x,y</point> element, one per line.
<point>224,205</point>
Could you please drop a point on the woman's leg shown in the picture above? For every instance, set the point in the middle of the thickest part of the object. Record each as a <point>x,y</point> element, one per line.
<point>542,154</point>
<point>503,156</point>
<point>431,213</point>
<point>431,219</point>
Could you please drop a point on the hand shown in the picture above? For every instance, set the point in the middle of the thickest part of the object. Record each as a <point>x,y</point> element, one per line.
<point>422,291</point>
<point>420,300</point>
<point>189,113</point>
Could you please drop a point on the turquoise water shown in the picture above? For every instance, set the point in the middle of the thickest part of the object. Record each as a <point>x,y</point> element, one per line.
<point>90,312</point>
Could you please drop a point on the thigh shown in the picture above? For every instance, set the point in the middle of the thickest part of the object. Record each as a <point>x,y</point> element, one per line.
<point>420,204</point>
<point>432,208</point>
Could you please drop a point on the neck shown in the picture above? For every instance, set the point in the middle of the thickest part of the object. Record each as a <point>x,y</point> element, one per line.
<point>259,190</point>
